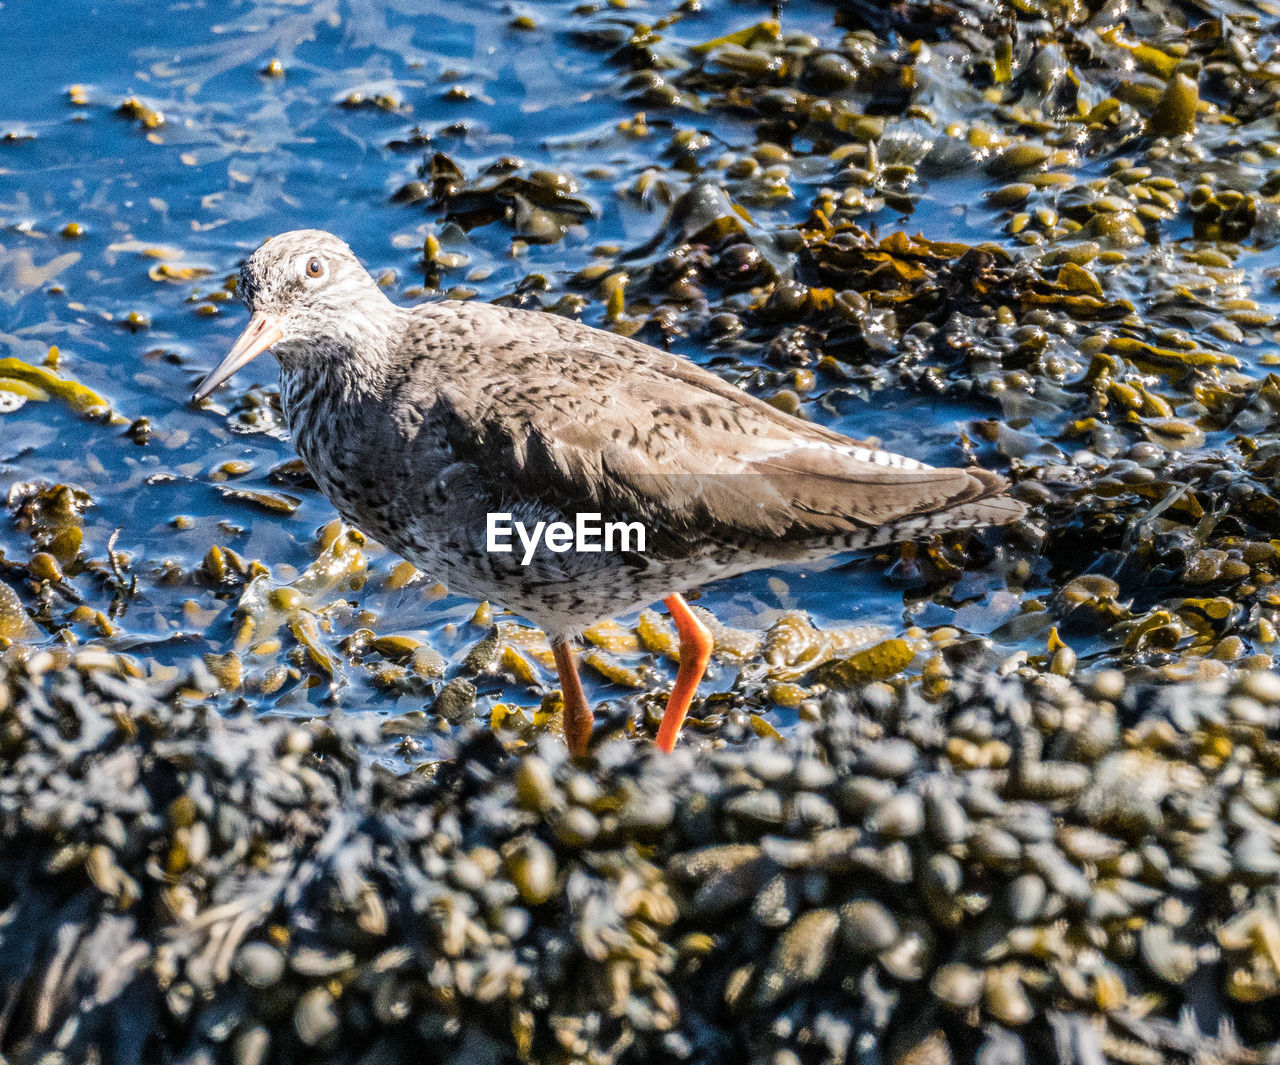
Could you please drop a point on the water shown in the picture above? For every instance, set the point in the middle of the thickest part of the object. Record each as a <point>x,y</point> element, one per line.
<point>241,155</point>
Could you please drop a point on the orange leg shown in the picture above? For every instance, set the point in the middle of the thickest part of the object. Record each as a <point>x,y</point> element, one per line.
<point>695,653</point>
<point>577,711</point>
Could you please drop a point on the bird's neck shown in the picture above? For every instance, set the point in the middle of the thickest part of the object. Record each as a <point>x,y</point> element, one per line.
<point>349,363</point>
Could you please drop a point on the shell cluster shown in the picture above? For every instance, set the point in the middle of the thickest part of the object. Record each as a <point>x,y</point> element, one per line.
<point>1019,866</point>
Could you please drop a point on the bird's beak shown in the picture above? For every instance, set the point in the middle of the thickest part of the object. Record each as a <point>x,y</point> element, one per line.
<point>262,331</point>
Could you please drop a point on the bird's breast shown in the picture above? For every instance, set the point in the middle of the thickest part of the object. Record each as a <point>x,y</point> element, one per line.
<point>376,467</point>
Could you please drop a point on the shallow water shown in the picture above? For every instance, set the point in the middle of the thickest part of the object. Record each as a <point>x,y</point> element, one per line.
<point>240,155</point>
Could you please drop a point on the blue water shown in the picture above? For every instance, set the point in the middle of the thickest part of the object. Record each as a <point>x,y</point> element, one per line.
<point>240,156</point>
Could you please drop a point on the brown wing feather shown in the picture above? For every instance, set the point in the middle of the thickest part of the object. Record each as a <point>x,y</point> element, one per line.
<point>624,428</point>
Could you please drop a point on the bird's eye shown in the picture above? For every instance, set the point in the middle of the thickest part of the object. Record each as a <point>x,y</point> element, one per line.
<point>315,268</point>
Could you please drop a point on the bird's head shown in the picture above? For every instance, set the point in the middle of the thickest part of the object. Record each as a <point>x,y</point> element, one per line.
<point>308,298</point>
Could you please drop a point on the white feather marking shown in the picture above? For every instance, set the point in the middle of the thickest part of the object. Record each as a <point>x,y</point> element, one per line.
<point>874,456</point>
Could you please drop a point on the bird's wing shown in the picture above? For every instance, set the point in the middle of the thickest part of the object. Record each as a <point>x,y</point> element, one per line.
<point>570,413</point>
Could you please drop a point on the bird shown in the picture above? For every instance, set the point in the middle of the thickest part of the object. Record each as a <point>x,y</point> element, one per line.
<point>421,423</point>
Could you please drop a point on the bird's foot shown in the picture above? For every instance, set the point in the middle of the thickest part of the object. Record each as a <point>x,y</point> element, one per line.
<point>696,643</point>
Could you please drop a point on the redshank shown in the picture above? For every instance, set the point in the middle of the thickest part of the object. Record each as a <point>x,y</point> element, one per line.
<point>420,423</point>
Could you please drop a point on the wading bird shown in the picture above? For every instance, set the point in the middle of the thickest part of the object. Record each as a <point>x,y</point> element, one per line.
<point>419,422</point>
